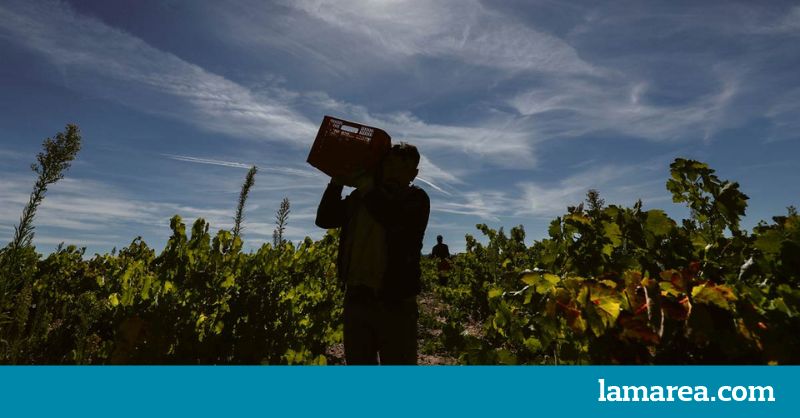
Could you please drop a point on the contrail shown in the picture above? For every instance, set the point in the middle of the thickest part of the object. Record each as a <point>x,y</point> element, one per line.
<point>433,185</point>
<point>207,161</point>
<point>234,164</point>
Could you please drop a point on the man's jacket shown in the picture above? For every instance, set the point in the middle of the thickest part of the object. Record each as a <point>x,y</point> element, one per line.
<point>404,219</point>
<point>440,251</point>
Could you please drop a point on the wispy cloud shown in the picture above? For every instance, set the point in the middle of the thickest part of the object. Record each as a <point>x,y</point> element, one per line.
<point>159,82</point>
<point>784,115</point>
<point>786,23</point>
<point>464,30</point>
<point>484,204</point>
<point>503,140</point>
<point>616,183</point>
<point>790,23</point>
<point>7,154</point>
<point>478,86</point>
<point>92,207</point>
<point>119,66</point>
<point>574,107</point>
<point>83,212</point>
<point>81,241</point>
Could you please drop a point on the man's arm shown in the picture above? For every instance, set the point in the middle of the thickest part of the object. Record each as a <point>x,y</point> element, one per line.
<point>331,210</point>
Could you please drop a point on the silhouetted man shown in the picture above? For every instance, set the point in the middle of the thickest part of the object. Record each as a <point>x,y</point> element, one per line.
<point>442,253</point>
<point>383,223</point>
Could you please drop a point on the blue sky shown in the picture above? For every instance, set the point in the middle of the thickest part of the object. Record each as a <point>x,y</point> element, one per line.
<point>518,107</point>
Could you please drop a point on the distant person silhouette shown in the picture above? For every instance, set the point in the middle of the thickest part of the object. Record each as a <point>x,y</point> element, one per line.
<point>382,225</point>
<point>442,253</point>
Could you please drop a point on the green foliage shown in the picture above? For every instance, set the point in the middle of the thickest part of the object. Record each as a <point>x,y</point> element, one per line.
<point>201,301</point>
<point>52,162</point>
<point>281,219</point>
<point>610,285</point>
<point>249,180</point>
<point>715,204</point>
<point>616,285</point>
<point>18,259</point>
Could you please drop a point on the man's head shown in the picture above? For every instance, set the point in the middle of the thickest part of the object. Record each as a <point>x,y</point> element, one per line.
<point>399,167</point>
<point>439,239</point>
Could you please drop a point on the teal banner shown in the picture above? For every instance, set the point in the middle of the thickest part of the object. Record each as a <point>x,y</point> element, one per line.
<point>657,391</point>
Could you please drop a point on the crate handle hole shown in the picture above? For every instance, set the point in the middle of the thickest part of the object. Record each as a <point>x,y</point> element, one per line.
<point>349,128</point>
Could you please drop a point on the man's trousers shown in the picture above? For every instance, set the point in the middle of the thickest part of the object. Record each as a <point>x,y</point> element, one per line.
<point>378,331</point>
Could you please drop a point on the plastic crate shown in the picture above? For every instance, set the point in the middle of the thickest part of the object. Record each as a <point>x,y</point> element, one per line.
<point>342,147</point>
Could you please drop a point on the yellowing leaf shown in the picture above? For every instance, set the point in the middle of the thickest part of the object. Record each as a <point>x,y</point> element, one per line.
<point>551,278</point>
<point>577,218</point>
<point>609,283</point>
<point>533,344</point>
<point>530,278</point>
<point>229,280</point>
<point>603,308</point>
<point>667,289</point>
<point>719,295</point>
<point>541,283</point>
<point>613,233</point>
